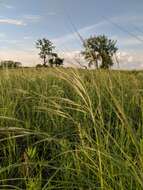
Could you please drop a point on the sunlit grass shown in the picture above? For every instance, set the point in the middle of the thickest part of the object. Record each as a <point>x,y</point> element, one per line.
<point>71,129</point>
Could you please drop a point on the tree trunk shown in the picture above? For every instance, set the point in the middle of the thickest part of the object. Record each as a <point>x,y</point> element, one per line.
<point>96,63</point>
<point>44,61</point>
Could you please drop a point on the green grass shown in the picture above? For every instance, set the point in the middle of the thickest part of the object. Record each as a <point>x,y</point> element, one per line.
<point>71,129</point>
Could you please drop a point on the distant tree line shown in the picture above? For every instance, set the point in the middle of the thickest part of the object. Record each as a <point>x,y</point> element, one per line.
<point>10,64</point>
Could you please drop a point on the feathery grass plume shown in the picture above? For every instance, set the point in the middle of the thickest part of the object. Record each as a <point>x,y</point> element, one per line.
<point>77,129</point>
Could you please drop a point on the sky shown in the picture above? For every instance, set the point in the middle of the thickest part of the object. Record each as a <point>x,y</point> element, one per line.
<point>22,22</point>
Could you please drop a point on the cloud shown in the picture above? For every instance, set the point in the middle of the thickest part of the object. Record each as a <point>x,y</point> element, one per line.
<point>32,18</point>
<point>127,60</point>
<point>31,57</point>
<point>84,32</point>
<point>72,58</point>
<point>130,60</point>
<point>20,22</point>
<point>127,19</point>
<point>12,21</point>
<point>13,42</point>
<point>27,58</point>
<point>27,37</point>
<point>8,6</point>
<point>130,55</point>
<point>128,42</point>
<point>106,26</point>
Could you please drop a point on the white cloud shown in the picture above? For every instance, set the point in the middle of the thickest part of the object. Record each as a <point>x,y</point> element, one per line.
<point>32,18</point>
<point>12,21</point>
<point>10,41</point>
<point>83,32</point>
<point>71,58</point>
<point>128,41</point>
<point>28,37</point>
<point>31,57</point>
<point>105,26</point>
<point>28,58</point>
<point>130,60</point>
<point>127,60</point>
<point>8,6</point>
<point>125,18</point>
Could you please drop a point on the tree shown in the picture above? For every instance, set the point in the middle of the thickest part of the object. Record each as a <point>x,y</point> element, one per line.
<point>59,61</point>
<point>55,60</point>
<point>99,51</point>
<point>38,66</point>
<point>46,47</point>
<point>10,64</point>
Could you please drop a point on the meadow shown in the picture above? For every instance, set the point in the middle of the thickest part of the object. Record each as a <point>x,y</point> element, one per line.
<point>71,129</point>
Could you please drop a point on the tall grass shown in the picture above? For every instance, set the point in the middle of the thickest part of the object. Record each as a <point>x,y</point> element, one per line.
<point>71,129</point>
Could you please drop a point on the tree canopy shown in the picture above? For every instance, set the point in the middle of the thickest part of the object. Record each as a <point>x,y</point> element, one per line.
<point>56,60</point>
<point>46,49</point>
<point>99,51</point>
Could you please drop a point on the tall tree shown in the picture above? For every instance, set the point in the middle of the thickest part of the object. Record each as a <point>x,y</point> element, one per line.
<point>46,47</point>
<point>99,49</point>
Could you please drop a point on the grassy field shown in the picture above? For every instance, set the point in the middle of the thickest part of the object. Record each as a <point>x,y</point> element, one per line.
<point>71,129</point>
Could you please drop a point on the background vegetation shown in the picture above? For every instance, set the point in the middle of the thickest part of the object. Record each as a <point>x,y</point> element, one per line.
<point>71,129</point>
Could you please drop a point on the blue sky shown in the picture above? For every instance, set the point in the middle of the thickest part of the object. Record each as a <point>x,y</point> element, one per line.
<point>23,22</point>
